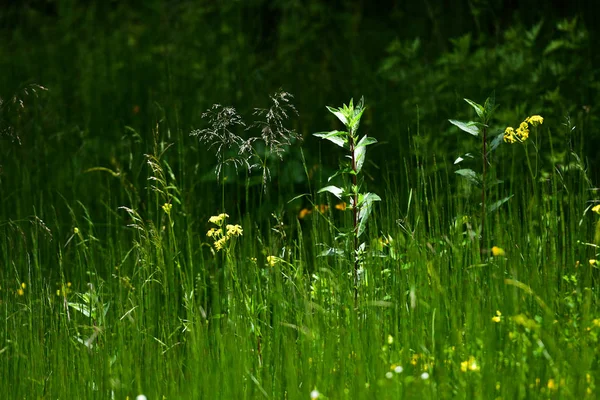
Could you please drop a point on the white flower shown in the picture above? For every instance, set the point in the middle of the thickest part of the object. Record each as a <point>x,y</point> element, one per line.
<point>141,397</point>
<point>389,375</point>
<point>315,394</point>
<point>424,376</point>
<point>398,369</point>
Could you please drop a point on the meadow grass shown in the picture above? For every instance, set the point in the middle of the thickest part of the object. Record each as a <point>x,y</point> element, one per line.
<point>137,300</point>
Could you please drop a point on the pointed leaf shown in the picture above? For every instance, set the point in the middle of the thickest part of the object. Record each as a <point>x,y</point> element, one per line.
<point>366,141</point>
<point>338,114</point>
<point>494,206</point>
<point>478,108</point>
<point>496,142</point>
<point>469,175</point>
<point>468,127</point>
<point>365,204</point>
<point>460,159</point>
<point>334,190</point>
<point>336,137</point>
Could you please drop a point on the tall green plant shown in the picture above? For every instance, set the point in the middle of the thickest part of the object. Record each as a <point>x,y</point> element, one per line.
<point>361,203</point>
<point>480,129</point>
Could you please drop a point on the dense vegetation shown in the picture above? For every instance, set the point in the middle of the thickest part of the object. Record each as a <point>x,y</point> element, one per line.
<point>182,217</point>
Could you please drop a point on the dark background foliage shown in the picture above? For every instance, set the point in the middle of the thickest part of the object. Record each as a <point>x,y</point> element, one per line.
<point>124,78</point>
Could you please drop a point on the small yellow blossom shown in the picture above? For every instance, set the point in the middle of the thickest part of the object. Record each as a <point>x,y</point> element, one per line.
<point>535,120</point>
<point>213,232</point>
<point>414,359</point>
<point>390,339</point>
<point>509,135</point>
<point>76,230</point>
<point>167,208</point>
<point>596,322</point>
<point>304,212</point>
<point>220,244</point>
<point>593,262</point>
<point>23,285</point>
<point>234,230</point>
<point>20,292</point>
<point>272,260</point>
<point>340,206</point>
<point>596,209</point>
<point>498,251</point>
<point>218,219</point>
<point>469,365</point>
<point>523,131</point>
<point>552,385</point>
<point>322,208</point>
<point>497,317</point>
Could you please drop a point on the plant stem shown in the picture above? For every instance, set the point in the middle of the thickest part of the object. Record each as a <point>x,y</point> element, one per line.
<point>482,244</point>
<point>355,216</point>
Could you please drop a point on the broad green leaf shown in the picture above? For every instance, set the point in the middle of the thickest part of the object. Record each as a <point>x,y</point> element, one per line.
<point>336,137</point>
<point>469,175</point>
<point>338,114</point>
<point>366,141</point>
<point>469,127</point>
<point>478,108</point>
<point>334,190</point>
<point>554,45</point>
<point>496,141</point>
<point>494,206</point>
<point>366,204</point>
<point>489,106</point>
<point>360,151</point>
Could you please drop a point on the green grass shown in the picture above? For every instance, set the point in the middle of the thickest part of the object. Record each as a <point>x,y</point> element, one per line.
<point>151,309</point>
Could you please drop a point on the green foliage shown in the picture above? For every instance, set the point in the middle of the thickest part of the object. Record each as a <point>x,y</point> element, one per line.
<point>360,204</point>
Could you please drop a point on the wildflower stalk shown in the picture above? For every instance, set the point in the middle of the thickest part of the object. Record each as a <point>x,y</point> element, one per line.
<point>360,203</point>
<point>477,128</point>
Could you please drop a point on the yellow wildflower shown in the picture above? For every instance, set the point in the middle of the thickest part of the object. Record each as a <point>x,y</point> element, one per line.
<point>497,251</point>
<point>304,212</point>
<point>469,365</point>
<point>390,339</point>
<point>552,385</point>
<point>523,131</point>
<point>593,262</point>
<point>340,206</point>
<point>219,244</point>
<point>23,285</point>
<point>76,230</point>
<point>272,260</point>
<point>323,208</point>
<point>509,135</point>
<point>218,219</point>
<point>497,317</point>
<point>213,232</point>
<point>596,209</point>
<point>535,120</point>
<point>167,208</point>
<point>234,230</point>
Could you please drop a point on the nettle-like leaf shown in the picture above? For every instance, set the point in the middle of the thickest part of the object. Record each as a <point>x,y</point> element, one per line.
<point>361,150</point>
<point>334,190</point>
<point>469,175</point>
<point>337,137</point>
<point>478,108</point>
<point>494,206</point>
<point>496,141</point>
<point>339,114</point>
<point>469,127</point>
<point>365,202</point>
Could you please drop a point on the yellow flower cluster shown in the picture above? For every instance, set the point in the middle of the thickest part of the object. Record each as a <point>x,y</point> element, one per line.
<point>498,317</point>
<point>222,236</point>
<point>522,132</point>
<point>596,209</point>
<point>469,365</point>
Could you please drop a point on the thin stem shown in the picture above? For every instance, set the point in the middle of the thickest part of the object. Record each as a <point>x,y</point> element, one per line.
<point>355,217</point>
<point>482,244</point>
